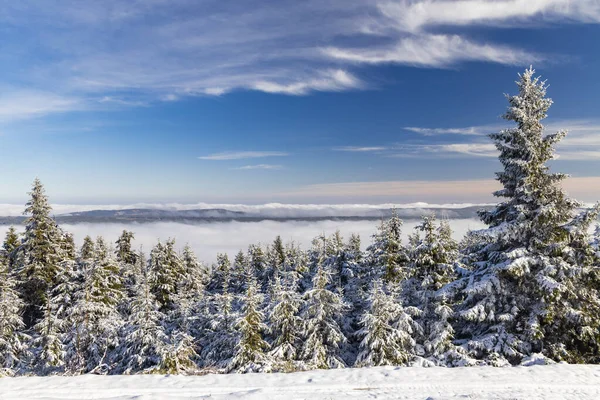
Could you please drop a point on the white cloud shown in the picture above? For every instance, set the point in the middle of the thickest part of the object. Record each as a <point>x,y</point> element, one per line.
<point>259,166</point>
<point>358,149</point>
<point>582,142</point>
<point>470,149</point>
<point>471,130</point>
<point>416,15</point>
<point>331,81</point>
<point>240,155</point>
<point>433,51</point>
<point>22,104</point>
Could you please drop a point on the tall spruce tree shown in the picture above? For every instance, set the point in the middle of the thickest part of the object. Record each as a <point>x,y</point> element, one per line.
<point>531,288</point>
<point>39,255</point>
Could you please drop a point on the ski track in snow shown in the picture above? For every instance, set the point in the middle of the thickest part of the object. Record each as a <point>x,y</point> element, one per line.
<point>538,382</point>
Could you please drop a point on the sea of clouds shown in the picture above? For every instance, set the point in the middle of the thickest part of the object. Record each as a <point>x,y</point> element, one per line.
<point>208,239</point>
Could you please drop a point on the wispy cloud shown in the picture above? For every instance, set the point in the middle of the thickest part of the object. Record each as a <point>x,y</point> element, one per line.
<point>433,51</point>
<point>582,142</point>
<point>240,155</point>
<point>414,16</point>
<point>359,149</point>
<point>259,166</point>
<point>471,130</point>
<point>22,104</point>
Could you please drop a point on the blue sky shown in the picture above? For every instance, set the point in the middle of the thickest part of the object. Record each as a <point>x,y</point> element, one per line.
<point>308,102</point>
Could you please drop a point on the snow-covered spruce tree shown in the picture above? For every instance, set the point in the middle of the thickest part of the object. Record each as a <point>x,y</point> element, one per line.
<point>123,249</point>
<point>38,257</point>
<point>322,334</point>
<point>13,342</point>
<point>386,331</point>
<point>189,316</point>
<point>386,256</point>
<point>47,339</point>
<point>166,270</point>
<point>531,288</point>
<point>145,342</point>
<point>220,337</point>
<point>127,260</point>
<point>10,246</point>
<point>220,274</point>
<point>257,263</point>
<point>238,273</point>
<point>434,260</point>
<point>251,348</point>
<point>93,316</point>
<point>276,258</point>
<point>285,324</point>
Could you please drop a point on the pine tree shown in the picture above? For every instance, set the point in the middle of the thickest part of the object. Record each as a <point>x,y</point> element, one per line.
<point>127,260</point>
<point>145,345</point>
<point>386,331</point>
<point>39,255</point>
<point>257,263</point>
<point>434,258</point>
<point>220,337</point>
<point>166,270</point>
<point>322,332</point>
<point>250,351</point>
<point>285,324</point>
<point>532,288</point>
<point>387,257</point>
<point>10,246</point>
<point>93,316</point>
<point>124,250</point>
<point>13,341</point>
<point>238,273</point>
<point>47,339</point>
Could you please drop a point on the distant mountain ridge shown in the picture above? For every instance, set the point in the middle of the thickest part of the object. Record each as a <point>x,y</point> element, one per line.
<point>220,214</point>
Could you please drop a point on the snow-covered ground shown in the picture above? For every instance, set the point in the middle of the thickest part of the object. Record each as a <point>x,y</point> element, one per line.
<point>537,382</point>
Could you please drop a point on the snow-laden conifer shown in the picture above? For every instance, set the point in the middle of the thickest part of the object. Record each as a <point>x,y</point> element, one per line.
<point>530,289</point>
<point>434,259</point>
<point>386,256</point>
<point>251,349</point>
<point>13,341</point>
<point>386,330</point>
<point>322,335</point>
<point>39,255</point>
<point>145,342</point>
<point>165,271</point>
<point>285,324</point>
<point>93,319</point>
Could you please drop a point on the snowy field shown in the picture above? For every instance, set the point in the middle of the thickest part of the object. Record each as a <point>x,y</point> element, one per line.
<point>537,382</point>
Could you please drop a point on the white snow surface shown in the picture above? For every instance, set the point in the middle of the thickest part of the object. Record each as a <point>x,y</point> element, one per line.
<point>560,381</point>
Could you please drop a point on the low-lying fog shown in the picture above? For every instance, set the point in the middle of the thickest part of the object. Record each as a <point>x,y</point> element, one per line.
<point>208,239</point>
